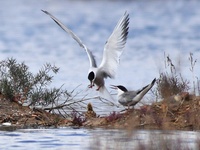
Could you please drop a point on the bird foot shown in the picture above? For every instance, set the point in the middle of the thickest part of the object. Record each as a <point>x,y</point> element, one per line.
<point>90,86</point>
<point>98,88</point>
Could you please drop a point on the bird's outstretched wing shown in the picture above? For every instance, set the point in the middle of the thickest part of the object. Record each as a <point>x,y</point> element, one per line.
<point>114,47</point>
<point>76,38</point>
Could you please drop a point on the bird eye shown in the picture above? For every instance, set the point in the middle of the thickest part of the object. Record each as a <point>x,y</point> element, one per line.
<point>91,76</point>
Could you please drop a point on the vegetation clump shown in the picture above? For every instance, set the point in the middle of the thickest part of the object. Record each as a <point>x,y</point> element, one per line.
<point>18,84</point>
<point>171,82</point>
<point>20,89</point>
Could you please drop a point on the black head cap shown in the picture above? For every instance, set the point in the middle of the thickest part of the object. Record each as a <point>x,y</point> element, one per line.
<point>91,76</point>
<point>122,88</point>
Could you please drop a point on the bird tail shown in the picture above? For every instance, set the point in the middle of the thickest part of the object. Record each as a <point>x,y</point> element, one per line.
<point>106,95</point>
<point>145,89</point>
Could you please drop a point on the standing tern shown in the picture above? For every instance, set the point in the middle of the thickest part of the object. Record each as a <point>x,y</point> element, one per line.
<point>112,51</point>
<point>131,98</point>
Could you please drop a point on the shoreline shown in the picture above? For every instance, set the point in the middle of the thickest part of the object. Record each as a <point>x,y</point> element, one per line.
<point>169,114</point>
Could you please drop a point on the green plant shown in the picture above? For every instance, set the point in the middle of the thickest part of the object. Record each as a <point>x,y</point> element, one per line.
<point>18,84</point>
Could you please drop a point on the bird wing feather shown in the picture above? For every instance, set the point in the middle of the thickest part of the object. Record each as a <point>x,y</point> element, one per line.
<point>114,47</point>
<point>140,93</point>
<point>128,96</point>
<point>76,38</point>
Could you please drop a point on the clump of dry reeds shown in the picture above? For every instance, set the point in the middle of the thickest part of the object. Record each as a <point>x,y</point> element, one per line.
<point>171,82</point>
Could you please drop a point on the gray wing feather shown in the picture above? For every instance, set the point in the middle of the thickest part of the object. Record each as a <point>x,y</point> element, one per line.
<point>127,97</point>
<point>131,98</point>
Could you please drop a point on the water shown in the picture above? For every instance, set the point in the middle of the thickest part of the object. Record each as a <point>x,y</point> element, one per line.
<point>156,26</point>
<point>29,35</point>
<point>84,139</point>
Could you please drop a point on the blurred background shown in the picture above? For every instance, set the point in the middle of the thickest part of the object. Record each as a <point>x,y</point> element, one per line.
<point>156,27</point>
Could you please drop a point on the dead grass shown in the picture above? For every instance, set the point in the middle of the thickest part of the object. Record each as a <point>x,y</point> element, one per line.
<point>171,81</point>
<point>177,110</point>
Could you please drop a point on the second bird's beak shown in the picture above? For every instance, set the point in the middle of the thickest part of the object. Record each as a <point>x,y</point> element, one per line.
<point>113,87</point>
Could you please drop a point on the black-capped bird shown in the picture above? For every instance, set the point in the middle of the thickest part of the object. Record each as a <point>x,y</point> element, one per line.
<point>131,98</point>
<point>112,51</point>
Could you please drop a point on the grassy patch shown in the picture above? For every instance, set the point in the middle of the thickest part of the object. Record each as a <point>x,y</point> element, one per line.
<point>171,81</point>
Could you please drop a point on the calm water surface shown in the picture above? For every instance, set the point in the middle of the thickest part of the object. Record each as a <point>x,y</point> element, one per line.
<point>84,139</point>
<point>156,26</point>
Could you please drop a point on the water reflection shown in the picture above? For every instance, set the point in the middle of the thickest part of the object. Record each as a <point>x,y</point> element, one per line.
<point>27,34</point>
<point>62,138</point>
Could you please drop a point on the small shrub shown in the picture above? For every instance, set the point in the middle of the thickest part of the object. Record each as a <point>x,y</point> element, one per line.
<point>17,83</point>
<point>171,83</point>
<point>77,119</point>
<point>113,116</point>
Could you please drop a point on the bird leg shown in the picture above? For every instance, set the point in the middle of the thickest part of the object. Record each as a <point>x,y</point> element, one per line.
<point>129,108</point>
<point>91,85</point>
<point>98,88</point>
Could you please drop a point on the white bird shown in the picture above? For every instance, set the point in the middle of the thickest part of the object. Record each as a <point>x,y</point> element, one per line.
<point>131,98</point>
<point>112,51</point>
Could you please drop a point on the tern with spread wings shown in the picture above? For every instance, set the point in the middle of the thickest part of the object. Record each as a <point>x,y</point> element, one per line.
<point>111,54</point>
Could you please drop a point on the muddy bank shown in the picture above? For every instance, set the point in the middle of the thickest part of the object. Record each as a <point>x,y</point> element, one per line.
<point>19,116</point>
<point>179,112</point>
